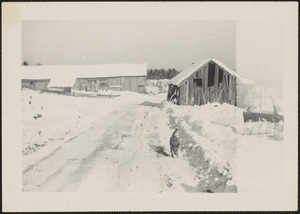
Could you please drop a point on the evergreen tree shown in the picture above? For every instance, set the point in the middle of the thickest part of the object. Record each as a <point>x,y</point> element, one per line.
<point>168,75</point>
<point>25,63</point>
<point>163,74</point>
<point>174,72</point>
<point>155,74</point>
<point>149,74</point>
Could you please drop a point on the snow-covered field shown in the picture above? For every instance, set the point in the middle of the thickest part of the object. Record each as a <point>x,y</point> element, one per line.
<point>61,116</point>
<point>217,153</point>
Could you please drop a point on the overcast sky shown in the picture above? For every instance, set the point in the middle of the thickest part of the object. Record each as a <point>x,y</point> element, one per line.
<point>160,44</point>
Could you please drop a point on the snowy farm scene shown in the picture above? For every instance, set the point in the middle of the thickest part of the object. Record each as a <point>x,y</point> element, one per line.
<point>150,106</point>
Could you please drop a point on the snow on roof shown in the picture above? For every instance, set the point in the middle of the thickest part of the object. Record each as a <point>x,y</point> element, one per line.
<point>115,86</point>
<point>192,68</point>
<point>64,81</point>
<point>65,75</point>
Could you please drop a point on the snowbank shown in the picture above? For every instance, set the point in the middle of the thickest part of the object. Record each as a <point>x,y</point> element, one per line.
<point>156,86</point>
<point>210,131</point>
<point>107,92</point>
<point>222,144</point>
<point>216,113</point>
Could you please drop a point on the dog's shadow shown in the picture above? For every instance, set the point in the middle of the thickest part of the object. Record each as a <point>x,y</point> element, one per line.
<point>159,149</point>
<point>148,103</point>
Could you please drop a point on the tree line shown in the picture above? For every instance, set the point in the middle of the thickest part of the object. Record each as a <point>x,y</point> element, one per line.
<point>25,63</point>
<point>155,74</point>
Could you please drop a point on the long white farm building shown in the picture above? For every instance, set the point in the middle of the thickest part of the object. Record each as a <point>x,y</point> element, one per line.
<point>126,77</point>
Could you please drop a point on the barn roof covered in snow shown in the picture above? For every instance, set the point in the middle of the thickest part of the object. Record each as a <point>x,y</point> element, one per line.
<point>65,75</point>
<point>179,78</point>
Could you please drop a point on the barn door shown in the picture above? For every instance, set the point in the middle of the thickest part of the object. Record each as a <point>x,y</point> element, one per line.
<point>31,85</point>
<point>102,84</point>
<point>198,95</point>
<point>141,88</point>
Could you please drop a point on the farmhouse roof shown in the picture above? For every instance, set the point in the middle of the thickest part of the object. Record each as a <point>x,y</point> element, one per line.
<point>65,75</point>
<point>179,78</point>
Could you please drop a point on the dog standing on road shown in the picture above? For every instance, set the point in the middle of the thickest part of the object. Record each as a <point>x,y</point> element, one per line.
<point>174,143</point>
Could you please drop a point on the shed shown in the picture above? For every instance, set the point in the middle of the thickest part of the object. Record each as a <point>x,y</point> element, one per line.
<point>32,77</point>
<point>207,80</point>
<point>129,77</point>
<point>35,84</point>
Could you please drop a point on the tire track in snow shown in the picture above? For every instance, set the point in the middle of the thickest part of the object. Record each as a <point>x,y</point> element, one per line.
<point>32,166</point>
<point>125,154</point>
<point>75,150</point>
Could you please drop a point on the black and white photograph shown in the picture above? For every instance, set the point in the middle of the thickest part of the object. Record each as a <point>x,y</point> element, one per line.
<point>116,125</point>
<point>179,107</point>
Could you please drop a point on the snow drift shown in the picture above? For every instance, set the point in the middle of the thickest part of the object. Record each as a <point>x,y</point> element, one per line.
<point>156,86</point>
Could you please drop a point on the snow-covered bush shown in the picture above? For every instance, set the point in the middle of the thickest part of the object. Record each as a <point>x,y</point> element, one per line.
<point>156,86</point>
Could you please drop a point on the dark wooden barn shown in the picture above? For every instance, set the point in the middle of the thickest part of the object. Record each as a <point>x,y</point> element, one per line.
<point>121,77</point>
<point>91,78</point>
<point>206,81</point>
<point>35,84</point>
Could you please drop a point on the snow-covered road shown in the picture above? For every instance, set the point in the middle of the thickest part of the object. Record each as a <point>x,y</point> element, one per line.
<point>122,145</point>
<point>126,151</point>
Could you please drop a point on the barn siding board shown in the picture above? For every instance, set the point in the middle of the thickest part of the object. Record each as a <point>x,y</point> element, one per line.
<point>187,92</point>
<point>193,86</point>
<point>182,94</point>
<point>179,96</point>
<point>190,84</point>
<point>196,89</point>
<point>178,99</point>
<point>216,88</point>
<point>201,90</point>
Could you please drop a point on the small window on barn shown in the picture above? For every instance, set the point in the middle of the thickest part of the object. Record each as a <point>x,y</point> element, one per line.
<point>221,72</point>
<point>31,83</point>
<point>211,75</point>
<point>198,82</point>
